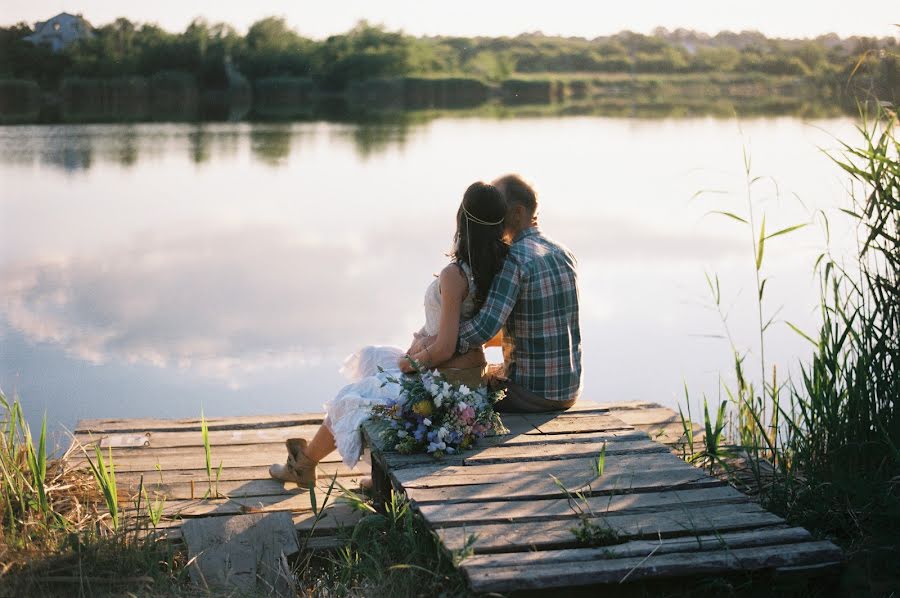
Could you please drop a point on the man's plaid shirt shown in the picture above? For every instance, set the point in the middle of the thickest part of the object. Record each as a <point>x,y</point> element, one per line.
<point>535,299</point>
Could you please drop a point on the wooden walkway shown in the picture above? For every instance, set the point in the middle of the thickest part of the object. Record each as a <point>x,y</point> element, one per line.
<point>511,504</point>
<point>499,501</point>
<point>168,457</point>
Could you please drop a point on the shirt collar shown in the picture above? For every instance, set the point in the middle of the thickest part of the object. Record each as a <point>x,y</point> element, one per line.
<point>528,232</point>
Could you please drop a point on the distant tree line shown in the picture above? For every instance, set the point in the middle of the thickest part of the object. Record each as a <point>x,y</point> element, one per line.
<point>272,49</point>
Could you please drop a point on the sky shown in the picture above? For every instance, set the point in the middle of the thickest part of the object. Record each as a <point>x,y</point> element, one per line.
<point>584,18</point>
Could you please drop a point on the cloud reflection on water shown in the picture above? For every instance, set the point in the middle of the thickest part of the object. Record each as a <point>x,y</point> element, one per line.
<point>223,304</point>
<point>230,303</point>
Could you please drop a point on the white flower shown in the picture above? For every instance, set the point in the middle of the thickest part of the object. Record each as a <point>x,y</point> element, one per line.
<point>446,388</point>
<point>402,434</point>
<point>464,390</point>
<point>462,405</point>
<point>438,400</point>
<point>450,450</point>
<point>426,421</point>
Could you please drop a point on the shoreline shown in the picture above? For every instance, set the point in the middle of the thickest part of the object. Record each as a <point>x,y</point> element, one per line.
<point>178,97</point>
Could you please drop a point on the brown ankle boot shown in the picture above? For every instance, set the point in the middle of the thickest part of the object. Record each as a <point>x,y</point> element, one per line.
<point>299,468</point>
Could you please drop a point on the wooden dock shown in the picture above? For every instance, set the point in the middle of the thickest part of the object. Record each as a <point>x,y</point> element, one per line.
<point>512,502</point>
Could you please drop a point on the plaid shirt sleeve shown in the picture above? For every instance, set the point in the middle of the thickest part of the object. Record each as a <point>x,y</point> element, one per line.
<point>493,314</point>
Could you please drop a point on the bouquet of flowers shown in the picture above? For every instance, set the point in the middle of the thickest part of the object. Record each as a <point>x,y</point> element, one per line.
<point>433,416</point>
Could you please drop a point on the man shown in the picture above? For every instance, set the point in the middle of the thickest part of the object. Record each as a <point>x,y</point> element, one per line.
<point>534,299</point>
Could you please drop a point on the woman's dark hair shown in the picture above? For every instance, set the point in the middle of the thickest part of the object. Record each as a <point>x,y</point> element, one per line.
<point>479,235</point>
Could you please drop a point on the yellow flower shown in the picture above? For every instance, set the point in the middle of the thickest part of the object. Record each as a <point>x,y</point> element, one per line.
<point>423,408</point>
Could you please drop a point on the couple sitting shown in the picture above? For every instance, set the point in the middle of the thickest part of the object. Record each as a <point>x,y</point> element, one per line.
<point>504,274</point>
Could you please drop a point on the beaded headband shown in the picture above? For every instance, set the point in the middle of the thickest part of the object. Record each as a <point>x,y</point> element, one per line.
<point>475,219</point>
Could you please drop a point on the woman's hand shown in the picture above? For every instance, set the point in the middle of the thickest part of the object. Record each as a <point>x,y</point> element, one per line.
<point>406,365</point>
<point>417,344</point>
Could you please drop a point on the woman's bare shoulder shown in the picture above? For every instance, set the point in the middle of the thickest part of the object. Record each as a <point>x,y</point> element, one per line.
<point>453,279</point>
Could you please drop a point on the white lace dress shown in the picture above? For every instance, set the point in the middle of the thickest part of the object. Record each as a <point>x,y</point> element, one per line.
<point>352,404</point>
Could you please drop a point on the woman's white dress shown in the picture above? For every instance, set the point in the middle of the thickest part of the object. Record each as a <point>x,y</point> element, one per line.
<point>352,404</point>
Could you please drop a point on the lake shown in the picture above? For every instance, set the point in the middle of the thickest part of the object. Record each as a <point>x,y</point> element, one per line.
<point>161,269</point>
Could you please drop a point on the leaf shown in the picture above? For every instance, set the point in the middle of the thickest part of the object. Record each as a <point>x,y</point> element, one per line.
<point>728,214</point>
<point>859,63</point>
<point>707,192</point>
<point>801,333</point>
<point>787,230</point>
<point>762,244</point>
<point>851,213</point>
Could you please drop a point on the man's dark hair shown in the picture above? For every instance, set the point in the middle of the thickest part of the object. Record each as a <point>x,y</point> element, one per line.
<point>516,190</point>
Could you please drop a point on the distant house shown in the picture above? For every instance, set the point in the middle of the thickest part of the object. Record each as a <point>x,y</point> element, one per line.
<point>58,32</point>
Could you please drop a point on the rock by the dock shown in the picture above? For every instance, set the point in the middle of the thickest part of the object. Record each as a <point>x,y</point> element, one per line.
<point>246,553</point>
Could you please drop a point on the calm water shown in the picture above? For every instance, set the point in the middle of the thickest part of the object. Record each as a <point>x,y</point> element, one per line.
<point>151,270</point>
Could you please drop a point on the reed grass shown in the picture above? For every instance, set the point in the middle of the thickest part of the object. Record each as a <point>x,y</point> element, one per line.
<point>823,448</point>
<point>212,489</point>
<point>105,476</point>
<point>61,529</point>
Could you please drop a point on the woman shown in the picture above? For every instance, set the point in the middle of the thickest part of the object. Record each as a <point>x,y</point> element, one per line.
<point>478,254</point>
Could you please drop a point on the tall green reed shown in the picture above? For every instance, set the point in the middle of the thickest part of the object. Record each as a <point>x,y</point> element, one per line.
<point>105,476</point>
<point>824,446</point>
<point>749,419</point>
<point>845,403</point>
<point>24,489</point>
<point>212,482</point>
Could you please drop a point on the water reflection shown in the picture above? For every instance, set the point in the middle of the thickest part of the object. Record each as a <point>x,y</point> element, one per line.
<point>79,147</point>
<point>199,140</point>
<point>223,304</point>
<point>127,270</point>
<point>271,143</point>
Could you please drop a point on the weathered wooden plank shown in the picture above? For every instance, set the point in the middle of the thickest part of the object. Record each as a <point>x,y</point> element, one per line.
<point>648,416</point>
<point>517,424</point>
<point>442,515</point>
<point>131,479</point>
<point>770,536</point>
<point>546,452</point>
<point>313,535</point>
<point>561,424</point>
<point>489,450</point>
<point>296,501</point>
<point>142,459</point>
<point>193,423</point>
<point>518,440</point>
<point>543,535</point>
<point>530,489</point>
<point>586,407</point>
<point>233,489</point>
<point>670,434</point>
<point>244,553</point>
<point>157,439</point>
<point>337,515</point>
<point>537,576</point>
<point>496,473</point>
<point>618,406</point>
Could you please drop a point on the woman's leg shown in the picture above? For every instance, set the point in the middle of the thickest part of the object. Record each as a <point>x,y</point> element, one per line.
<point>321,445</point>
